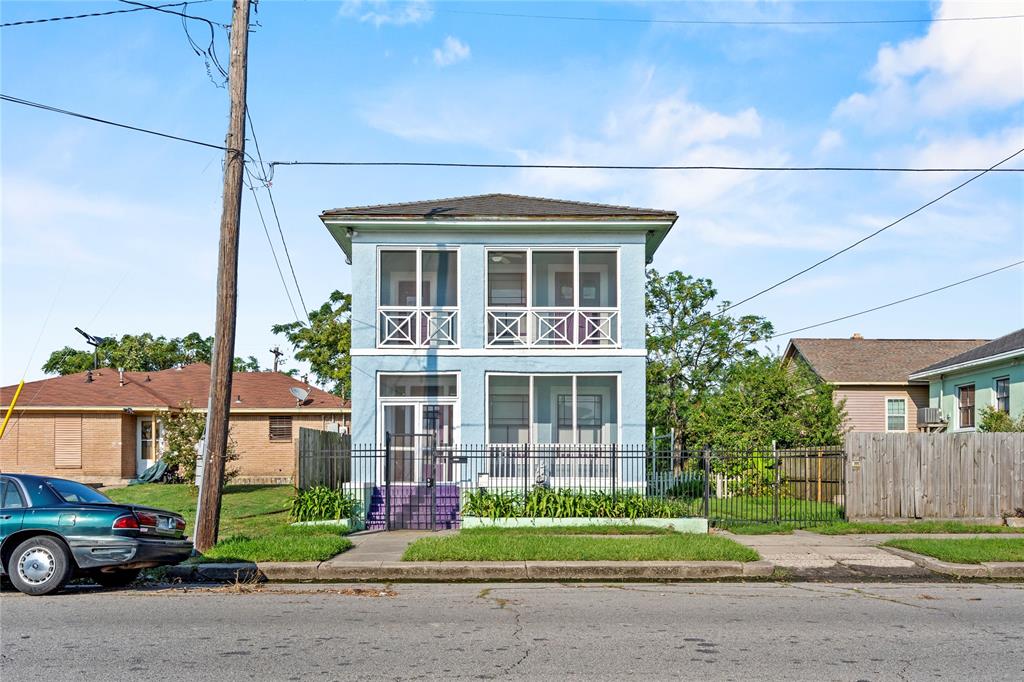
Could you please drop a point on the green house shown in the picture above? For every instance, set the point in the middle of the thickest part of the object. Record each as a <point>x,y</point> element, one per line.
<point>960,387</point>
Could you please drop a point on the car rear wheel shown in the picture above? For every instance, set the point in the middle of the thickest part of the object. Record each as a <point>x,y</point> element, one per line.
<point>121,578</point>
<point>39,565</point>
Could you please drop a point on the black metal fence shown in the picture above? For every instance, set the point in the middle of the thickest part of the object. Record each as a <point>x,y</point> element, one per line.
<point>415,482</point>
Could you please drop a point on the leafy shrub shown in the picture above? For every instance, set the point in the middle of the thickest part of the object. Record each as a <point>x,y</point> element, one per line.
<point>321,503</point>
<point>994,421</point>
<point>688,485</point>
<point>566,504</point>
<point>183,430</point>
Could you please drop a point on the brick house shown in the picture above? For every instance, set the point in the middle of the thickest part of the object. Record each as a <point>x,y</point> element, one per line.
<point>872,375</point>
<point>104,426</point>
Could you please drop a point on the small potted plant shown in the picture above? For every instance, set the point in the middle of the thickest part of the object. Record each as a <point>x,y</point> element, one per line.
<point>1015,519</point>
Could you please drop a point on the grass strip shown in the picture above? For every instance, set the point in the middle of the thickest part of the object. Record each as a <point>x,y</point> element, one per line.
<point>254,523</point>
<point>848,527</point>
<point>517,545</point>
<point>624,528</point>
<point>965,550</point>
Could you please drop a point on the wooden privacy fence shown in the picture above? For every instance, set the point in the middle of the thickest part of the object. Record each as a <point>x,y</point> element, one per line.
<point>812,473</point>
<point>934,475</point>
<point>322,458</point>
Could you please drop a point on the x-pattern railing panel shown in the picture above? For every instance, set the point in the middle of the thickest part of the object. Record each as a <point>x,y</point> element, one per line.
<point>568,328</point>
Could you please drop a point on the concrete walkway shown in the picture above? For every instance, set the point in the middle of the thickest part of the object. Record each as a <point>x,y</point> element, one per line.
<point>379,546</point>
<point>839,556</point>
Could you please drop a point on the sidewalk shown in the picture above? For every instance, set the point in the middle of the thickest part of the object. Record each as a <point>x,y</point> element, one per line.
<point>377,557</point>
<point>805,554</point>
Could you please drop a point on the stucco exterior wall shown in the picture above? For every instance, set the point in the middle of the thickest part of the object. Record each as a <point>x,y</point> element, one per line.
<point>472,360</point>
<point>866,404</point>
<point>942,391</point>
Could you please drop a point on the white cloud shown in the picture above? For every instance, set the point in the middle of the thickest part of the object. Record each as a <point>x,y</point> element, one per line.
<point>451,52</point>
<point>956,67</point>
<point>381,12</point>
<point>830,140</point>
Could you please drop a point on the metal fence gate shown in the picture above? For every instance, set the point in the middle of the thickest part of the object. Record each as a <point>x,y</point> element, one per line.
<point>419,488</point>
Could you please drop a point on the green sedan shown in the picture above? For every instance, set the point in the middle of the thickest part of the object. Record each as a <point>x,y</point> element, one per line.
<point>52,529</point>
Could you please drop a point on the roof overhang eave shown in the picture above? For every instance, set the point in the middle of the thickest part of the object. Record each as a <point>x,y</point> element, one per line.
<point>928,374</point>
<point>341,227</point>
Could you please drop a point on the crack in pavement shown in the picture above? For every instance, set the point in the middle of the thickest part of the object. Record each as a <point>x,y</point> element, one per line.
<point>517,631</point>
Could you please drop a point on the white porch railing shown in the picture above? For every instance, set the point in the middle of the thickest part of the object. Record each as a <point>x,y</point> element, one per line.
<point>417,327</point>
<point>558,328</point>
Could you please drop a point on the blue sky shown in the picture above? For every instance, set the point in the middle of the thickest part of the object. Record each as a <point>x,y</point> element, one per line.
<point>116,232</point>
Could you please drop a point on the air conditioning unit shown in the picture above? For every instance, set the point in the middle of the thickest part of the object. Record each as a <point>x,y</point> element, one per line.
<point>930,415</point>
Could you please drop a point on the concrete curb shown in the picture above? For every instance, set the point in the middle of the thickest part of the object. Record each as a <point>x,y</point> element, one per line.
<point>216,573</point>
<point>1007,569</point>
<point>452,571</point>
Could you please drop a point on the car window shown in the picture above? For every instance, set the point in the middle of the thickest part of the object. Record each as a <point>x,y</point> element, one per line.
<point>10,496</point>
<point>70,491</point>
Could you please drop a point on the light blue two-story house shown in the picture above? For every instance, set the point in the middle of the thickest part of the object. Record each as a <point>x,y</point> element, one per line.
<point>498,319</point>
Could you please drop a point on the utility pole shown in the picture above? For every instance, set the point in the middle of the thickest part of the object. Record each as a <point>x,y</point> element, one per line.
<point>276,352</point>
<point>216,444</point>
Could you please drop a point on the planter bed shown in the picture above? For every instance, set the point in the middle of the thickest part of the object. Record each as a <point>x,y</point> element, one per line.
<point>681,525</point>
<point>340,524</point>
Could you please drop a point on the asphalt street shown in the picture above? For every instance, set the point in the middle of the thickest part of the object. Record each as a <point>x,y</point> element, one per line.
<point>805,631</point>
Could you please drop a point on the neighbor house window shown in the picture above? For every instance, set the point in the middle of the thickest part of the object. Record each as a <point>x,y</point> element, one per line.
<point>67,441</point>
<point>965,398</point>
<point>895,414</point>
<point>1003,395</point>
<point>418,297</point>
<point>281,428</point>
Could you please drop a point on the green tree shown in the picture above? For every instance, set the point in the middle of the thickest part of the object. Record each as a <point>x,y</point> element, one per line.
<point>994,421</point>
<point>690,347</point>
<point>326,343</point>
<point>763,400</point>
<point>141,353</point>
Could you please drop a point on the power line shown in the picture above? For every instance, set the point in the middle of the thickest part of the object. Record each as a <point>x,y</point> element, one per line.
<point>209,53</point>
<point>902,300</point>
<point>873,234</point>
<point>25,22</point>
<point>638,167</point>
<point>273,251</point>
<point>727,22</point>
<point>56,110</point>
<point>280,230</point>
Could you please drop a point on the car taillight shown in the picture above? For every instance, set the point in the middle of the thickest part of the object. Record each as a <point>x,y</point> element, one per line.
<point>179,524</point>
<point>126,522</point>
<point>146,519</point>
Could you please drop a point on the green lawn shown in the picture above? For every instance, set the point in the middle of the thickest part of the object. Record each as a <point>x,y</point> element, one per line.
<point>762,509</point>
<point>254,524</point>
<point>487,544</point>
<point>848,527</point>
<point>964,551</point>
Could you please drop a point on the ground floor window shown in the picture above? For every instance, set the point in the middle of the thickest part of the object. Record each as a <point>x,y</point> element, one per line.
<point>895,414</point>
<point>581,409</point>
<point>965,398</point>
<point>1003,395</point>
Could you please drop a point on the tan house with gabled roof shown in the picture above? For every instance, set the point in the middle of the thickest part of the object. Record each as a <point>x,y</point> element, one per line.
<point>104,426</point>
<point>872,375</point>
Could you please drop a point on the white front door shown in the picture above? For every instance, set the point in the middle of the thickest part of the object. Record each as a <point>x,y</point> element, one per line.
<point>149,438</point>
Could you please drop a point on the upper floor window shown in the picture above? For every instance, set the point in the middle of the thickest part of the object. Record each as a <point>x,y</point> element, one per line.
<point>552,297</point>
<point>1003,395</point>
<point>418,297</point>
<point>965,398</point>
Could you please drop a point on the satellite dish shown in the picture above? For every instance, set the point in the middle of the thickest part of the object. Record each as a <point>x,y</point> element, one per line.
<point>300,394</point>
